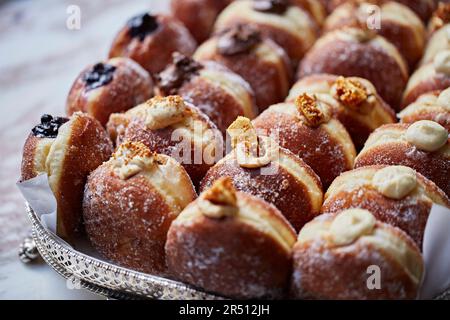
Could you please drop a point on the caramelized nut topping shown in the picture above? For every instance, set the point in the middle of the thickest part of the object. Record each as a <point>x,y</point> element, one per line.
<point>220,200</point>
<point>312,111</point>
<point>238,39</point>
<point>222,193</point>
<point>349,91</point>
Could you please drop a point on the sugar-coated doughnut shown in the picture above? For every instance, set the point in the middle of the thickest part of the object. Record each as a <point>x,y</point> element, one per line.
<point>396,195</point>
<point>258,60</point>
<point>129,203</point>
<point>354,102</point>
<point>115,85</point>
<point>67,150</point>
<point>353,256</point>
<point>232,244</point>
<point>151,39</point>
<point>422,145</point>
<point>307,129</point>
<point>360,53</point>
<point>217,91</point>
<point>258,166</point>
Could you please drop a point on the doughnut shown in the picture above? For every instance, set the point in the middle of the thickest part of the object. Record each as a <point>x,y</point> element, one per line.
<point>232,244</point>
<point>434,106</point>
<point>398,24</point>
<point>354,101</point>
<point>108,87</point>
<point>67,150</point>
<point>260,61</point>
<point>341,257</point>
<point>150,40</point>
<point>307,129</point>
<point>198,15</point>
<point>171,126</point>
<point>258,166</point>
<point>422,145</point>
<point>438,41</point>
<point>129,203</point>
<point>316,9</point>
<point>433,76</point>
<point>423,8</point>
<point>360,53</point>
<point>217,91</point>
<point>288,25</point>
<point>396,195</point>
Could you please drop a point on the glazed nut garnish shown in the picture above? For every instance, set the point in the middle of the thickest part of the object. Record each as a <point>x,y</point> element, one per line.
<point>162,112</point>
<point>242,130</point>
<point>132,157</point>
<point>350,92</point>
<point>220,200</point>
<point>444,99</point>
<point>271,6</point>
<point>312,110</point>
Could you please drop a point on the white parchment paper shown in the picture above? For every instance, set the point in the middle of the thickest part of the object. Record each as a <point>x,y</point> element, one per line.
<point>38,194</point>
<point>436,253</point>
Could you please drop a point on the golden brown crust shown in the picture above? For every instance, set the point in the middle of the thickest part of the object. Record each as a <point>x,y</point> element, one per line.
<point>229,256</point>
<point>281,188</point>
<point>198,15</point>
<point>398,24</point>
<point>131,85</point>
<point>424,80</point>
<point>318,147</point>
<point>214,98</point>
<point>127,220</point>
<point>269,77</point>
<point>81,148</point>
<point>433,165</point>
<point>365,59</point>
<point>295,39</point>
<point>155,51</point>
<point>409,213</point>
<point>322,271</point>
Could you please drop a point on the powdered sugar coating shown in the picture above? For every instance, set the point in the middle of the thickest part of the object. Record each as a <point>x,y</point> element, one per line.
<point>228,256</point>
<point>127,220</point>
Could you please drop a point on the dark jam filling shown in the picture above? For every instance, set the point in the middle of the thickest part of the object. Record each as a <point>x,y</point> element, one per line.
<point>181,70</point>
<point>271,6</point>
<point>142,25</point>
<point>239,39</point>
<point>49,126</point>
<point>99,75</point>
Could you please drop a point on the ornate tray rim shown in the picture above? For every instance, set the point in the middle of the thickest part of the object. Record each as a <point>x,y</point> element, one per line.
<point>96,275</point>
<point>105,278</point>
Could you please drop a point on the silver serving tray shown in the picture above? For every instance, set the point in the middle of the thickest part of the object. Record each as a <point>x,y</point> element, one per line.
<point>110,280</point>
<point>104,278</point>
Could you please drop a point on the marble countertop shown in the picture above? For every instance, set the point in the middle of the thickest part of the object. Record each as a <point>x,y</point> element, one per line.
<point>39,59</point>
